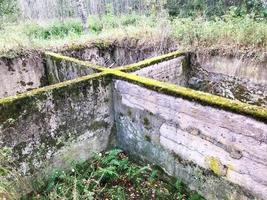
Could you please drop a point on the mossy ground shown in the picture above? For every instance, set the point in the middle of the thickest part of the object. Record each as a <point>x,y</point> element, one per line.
<point>111,175</point>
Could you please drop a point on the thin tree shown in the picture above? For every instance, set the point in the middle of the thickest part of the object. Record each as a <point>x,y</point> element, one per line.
<point>82,14</point>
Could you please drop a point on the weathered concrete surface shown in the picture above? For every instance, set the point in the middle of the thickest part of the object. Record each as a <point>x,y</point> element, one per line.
<point>241,79</point>
<point>21,74</point>
<point>61,70</point>
<point>58,125</point>
<point>28,71</point>
<point>244,68</point>
<point>190,141</point>
<point>171,71</point>
<point>119,53</point>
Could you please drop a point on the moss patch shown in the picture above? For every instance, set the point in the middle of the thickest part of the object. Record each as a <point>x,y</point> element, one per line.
<point>59,57</point>
<point>98,125</point>
<point>257,112</point>
<point>151,61</point>
<point>12,99</point>
<point>216,166</point>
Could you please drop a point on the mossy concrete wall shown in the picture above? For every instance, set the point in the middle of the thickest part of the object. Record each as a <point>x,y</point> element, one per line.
<point>21,74</point>
<point>190,71</point>
<point>28,70</point>
<point>220,154</point>
<point>58,124</point>
<point>59,69</point>
<point>242,66</point>
<point>172,71</point>
<point>232,77</point>
<point>215,145</point>
<point>118,53</point>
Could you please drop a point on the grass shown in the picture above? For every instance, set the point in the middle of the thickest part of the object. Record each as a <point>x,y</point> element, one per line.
<point>11,182</point>
<point>56,34</point>
<point>230,31</point>
<point>111,175</point>
<point>227,31</point>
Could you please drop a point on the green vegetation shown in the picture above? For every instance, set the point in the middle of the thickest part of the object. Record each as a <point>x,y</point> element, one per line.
<point>230,30</point>
<point>108,176</point>
<point>11,182</point>
<point>218,24</point>
<point>209,9</point>
<point>226,31</point>
<point>54,30</point>
<point>8,11</point>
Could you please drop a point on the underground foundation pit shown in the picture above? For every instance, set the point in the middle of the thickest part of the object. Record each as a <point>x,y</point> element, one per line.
<point>168,110</point>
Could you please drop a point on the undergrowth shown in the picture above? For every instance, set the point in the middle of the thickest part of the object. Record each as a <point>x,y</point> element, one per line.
<point>230,30</point>
<point>12,184</point>
<point>110,176</point>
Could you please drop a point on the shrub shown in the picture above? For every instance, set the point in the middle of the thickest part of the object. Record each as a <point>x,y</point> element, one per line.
<point>209,9</point>
<point>110,176</point>
<point>229,30</point>
<point>54,30</point>
<point>95,24</point>
<point>8,10</point>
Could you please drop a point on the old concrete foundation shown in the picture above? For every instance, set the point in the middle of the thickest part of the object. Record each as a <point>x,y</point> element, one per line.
<point>216,145</point>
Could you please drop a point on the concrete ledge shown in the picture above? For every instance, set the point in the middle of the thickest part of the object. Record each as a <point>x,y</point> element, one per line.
<point>256,112</point>
<point>60,57</point>
<point>11,99</point>
<point>152,61</point>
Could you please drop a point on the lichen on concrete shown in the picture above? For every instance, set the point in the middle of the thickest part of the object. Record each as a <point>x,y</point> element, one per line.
<point>38,124</point>
<point>191,134</point>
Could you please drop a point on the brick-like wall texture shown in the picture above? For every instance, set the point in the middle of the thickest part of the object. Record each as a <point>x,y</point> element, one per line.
<point>187,139</point>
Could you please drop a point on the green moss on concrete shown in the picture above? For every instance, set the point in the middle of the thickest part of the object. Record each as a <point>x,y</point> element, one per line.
<point>146,122</point>
<point>151,61</point>
<point>9,100</point>
<point>193,95</point>
<point>216,166</point>
<point>59,57</point>
<point>98,125</point>
<point>170,89</point>
<point>147,138</point>
<point>129,112</point>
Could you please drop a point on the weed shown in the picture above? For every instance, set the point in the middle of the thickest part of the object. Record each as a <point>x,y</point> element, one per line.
<point>230,30</point>
<point>109,176</point>
<point>54,30</point>
<point>11,182</point>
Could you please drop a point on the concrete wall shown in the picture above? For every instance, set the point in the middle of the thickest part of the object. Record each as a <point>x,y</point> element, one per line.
<point>209,76</point>
<point>61,70</point>
<point>20,74</point>
<point>243,79</point>
<point>220,154</point>
<point>57,124</point>
<point>171,71</point>
<point>119,53</point>
<point>27,71</point>
<point>243,67</point>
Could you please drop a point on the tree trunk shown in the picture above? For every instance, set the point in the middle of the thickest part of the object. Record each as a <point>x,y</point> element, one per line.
<point>82,14</point>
